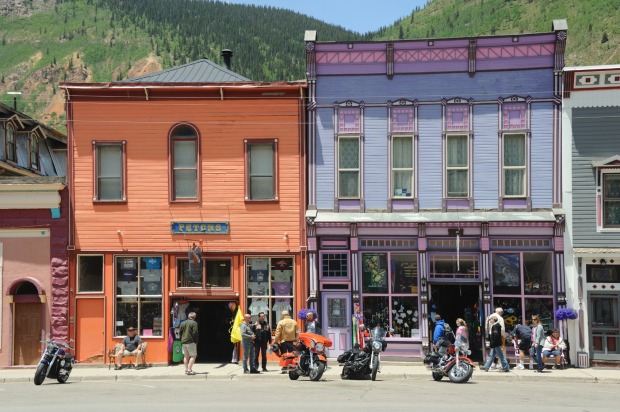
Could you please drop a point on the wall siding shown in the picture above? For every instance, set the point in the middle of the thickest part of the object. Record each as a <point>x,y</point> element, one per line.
<point>325,160</point>
<point>486,157</point>
<point>430,157</point>
<point>145,218</point>
<point>541,155</point>
<point>376,151</point>
<point>595,137</point>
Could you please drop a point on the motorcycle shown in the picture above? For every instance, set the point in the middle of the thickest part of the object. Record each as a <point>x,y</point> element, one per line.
<point>364,363</point>
<point>55,362</point>
<point>310,359</point>
<point>450,359</point>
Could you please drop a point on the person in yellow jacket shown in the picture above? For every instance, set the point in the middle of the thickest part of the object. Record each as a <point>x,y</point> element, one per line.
<point>286,333</point>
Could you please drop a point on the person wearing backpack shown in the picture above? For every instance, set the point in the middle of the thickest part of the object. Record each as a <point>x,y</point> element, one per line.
<point>440,329</point>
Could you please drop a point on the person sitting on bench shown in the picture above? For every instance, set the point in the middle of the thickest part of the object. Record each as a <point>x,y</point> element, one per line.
<point>131,346</point>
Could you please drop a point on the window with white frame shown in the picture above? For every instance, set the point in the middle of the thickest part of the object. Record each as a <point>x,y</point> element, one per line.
<point>611,200</point>
<point>139,295</point>
<point>261,170</point>
<point>402,166</point>
<point>457,166</point>
<point>334,265</point>
<point>514,165</point>
<point>109,171</point>
<point>184,142</point>
<point>349,167</point>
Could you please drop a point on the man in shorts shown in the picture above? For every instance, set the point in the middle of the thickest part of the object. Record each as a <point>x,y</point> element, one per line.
<point>523,341</point>
<point>189,341</point>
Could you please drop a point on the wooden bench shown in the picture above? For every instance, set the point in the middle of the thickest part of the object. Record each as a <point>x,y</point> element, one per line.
<point>113,354</point>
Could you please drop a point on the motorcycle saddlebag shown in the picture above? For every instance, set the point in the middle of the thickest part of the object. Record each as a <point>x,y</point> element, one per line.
<point>432,358</point>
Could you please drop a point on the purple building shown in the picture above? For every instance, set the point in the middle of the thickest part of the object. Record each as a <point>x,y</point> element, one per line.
<point>435,183</point>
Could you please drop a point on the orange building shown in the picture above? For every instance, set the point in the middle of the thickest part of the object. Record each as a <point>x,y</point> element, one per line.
<point>187,193</point>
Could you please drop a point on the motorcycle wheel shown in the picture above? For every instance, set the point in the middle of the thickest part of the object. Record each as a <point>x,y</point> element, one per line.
<point>316,372</point>
<point>460,373</point>
<point>293,376</point>
<point>437,376</point>
<point>374,368</point>
<point>39,375</point>
<point>62,378</point>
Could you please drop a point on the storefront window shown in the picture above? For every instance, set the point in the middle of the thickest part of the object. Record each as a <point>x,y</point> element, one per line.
<point>139,295</point>
<point>513,313</point>
<point>218,273</point>
<point>390,292</point>
<point>506,273</point>
<point>537,274</point>
<point>269,283</point>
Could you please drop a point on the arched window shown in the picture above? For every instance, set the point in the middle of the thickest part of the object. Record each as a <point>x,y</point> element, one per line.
<point>184,163</point>
<point>26,288</point>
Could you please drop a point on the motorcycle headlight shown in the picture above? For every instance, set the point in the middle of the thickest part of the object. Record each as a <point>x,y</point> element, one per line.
<point>50,348</point>
<point>376,345</point>
<point>312,345</point>
<point>319,347</point>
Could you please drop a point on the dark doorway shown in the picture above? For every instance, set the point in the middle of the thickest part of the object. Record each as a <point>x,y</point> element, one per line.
<point>213,319</point>
<point>459,301</point>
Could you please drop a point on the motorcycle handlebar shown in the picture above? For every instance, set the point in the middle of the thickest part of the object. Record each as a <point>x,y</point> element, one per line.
<point>61,344</point>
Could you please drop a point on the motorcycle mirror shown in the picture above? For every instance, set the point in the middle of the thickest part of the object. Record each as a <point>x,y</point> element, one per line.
<point>391,330</point>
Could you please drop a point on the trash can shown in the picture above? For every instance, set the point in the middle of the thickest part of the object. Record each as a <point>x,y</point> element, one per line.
<point>177,351</point>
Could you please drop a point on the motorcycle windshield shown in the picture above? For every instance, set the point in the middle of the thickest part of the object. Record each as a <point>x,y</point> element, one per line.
<point>462,343</point>
<point>377,333</point>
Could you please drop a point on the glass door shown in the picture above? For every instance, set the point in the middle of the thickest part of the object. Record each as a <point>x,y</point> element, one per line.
<point>337,318</point>
<point>604,326</point>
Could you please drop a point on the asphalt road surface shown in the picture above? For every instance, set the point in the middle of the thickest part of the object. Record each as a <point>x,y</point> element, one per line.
<point>304,395</point>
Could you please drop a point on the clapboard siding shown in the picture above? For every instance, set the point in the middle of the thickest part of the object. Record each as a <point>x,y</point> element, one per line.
<point>376,151</point>
<point>541,155</point>
<point>223,126</point>
<point>595,137</point>
<point>430,157</point>
<point>486,157</point>
<point>325,159</point>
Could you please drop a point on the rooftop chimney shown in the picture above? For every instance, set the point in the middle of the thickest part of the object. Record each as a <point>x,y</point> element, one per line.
<point>227,55</point>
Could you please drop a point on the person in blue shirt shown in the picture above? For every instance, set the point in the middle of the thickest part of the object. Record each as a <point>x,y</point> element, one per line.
<point>439,329</point>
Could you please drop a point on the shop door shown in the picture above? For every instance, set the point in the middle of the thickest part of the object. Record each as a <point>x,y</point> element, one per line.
<point>27,337</point>
<point>604,326</point>
<point>90,337</point>
<point>337,321</point>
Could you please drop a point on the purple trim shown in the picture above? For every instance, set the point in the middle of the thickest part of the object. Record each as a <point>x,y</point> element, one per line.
<point>402,204</point>
<point>515,63</point>
<point>523,39</point>
<point>430,55</point>
<point>351,57</point>
<point>453,204</point>
<point>432,67</point>
<point>514,203</point>
<point>349,204</point>
<point>437,44</point>
<point>376,68</point>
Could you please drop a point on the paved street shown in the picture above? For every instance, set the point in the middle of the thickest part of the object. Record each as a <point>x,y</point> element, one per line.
<point>329,395</point>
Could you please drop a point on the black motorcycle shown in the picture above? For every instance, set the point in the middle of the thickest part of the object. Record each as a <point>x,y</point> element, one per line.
<point>56,362</point>
<point>364,363</point>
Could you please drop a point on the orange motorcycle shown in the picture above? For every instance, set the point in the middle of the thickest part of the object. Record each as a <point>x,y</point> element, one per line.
<point>309,358</point>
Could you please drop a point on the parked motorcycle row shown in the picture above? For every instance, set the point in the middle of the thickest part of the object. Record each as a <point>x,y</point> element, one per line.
<point>448,358</point>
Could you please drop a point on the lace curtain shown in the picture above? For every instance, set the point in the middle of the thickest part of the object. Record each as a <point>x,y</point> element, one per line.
<point>514,165</point>
<point>402,166</point>
<point>457,164</point>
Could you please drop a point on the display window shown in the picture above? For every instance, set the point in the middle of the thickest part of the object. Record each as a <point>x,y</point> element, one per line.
<point>390,292</point>
<point>523,286</point>
<point>208,273</point>
<point>139,295</point>
<point>270,287</point>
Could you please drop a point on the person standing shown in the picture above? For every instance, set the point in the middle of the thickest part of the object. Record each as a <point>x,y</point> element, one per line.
<point>189,342</point>
<point>523,341</point>
<point>499,313</point>
<point>496,342</point>
<point>439,329</point>
<point>247,343</point>
<point>312,323</point>
<point>538,341</point>
<point>262,330</point>
<point>286,333</point>
<point>461,329</point>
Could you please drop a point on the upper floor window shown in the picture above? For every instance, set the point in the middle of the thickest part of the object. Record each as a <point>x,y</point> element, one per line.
<point>514,165</point>
<point>457,166</point>
<point>110,173</point>
<point>611,200</point>
<point>10,143</point>
<point>34,152</point>
<point>349,167</point>
<point>261,167</point>
<point>90,273</point>
<point>185,160</point>
<point>402,166</point>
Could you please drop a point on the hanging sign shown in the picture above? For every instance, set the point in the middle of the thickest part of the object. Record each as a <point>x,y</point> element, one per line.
<point>206,228</point>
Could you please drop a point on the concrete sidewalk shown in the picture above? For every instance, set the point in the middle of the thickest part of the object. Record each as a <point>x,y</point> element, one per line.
<point>230,371</point>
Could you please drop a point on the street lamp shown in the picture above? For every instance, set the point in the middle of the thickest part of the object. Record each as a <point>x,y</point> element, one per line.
<point>15,94</point>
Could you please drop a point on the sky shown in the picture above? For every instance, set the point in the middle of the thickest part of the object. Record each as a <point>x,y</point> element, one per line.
<point>361,16</point>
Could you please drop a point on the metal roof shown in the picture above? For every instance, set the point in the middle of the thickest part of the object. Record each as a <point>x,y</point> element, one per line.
<point>595,250</point>
<point>199,71</point>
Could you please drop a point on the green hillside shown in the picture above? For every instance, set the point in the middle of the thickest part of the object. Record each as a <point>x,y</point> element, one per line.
<point>46,42</point>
